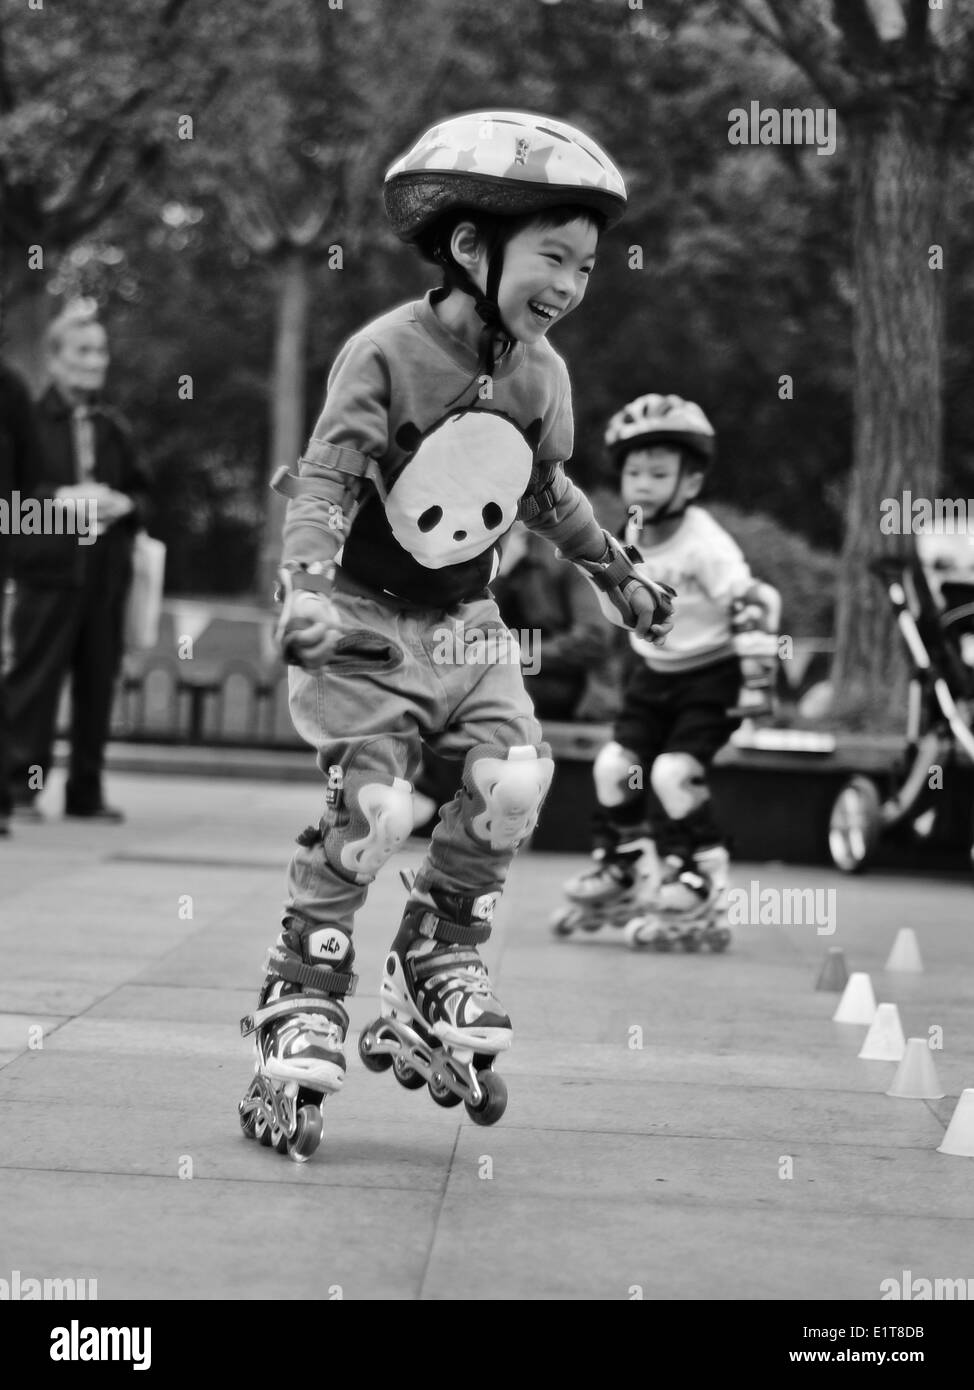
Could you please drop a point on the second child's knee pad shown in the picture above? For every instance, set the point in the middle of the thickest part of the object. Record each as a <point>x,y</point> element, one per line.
<point>679,781</point>
<point>507,787</point>
<point>367,818</point>
<point>612,771</point>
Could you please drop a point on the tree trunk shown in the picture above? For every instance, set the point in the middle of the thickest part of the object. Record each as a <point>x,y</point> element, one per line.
<point>899,177</point>
<point>287,401</point>
<point>26,314</point>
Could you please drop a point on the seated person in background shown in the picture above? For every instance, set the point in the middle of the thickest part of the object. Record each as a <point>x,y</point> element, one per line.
<point>557,618</point>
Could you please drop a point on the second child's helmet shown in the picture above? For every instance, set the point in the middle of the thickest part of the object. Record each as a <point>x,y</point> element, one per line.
<point>651,420</point>
<point>654,419</point>
<point>503,163</point>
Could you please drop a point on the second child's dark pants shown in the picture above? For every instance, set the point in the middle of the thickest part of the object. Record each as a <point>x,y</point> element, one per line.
<point>681,713</point>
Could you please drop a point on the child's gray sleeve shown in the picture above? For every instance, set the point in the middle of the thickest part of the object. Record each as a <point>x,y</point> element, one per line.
<point>351,434</point>
<point>556,509</point>
<point>553,506</point>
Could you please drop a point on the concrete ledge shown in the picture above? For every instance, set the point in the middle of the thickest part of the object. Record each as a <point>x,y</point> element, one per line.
<point>202,761</point>
<point>774,804</point>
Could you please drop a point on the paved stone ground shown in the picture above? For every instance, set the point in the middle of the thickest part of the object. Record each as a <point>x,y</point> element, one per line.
<point>615,1166</point>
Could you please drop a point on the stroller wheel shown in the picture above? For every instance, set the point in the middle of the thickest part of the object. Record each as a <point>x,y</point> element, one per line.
<point>854,825</point>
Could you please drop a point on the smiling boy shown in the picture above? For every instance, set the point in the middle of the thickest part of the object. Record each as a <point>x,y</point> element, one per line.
<point>444,422</point>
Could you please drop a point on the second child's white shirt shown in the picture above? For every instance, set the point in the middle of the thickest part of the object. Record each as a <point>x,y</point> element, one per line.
<point>708,571</point>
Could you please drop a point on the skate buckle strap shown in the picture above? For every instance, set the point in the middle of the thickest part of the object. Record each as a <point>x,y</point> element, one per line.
<point>440,962</point>
<point>293,1004</point>
<point>328,981</point>
<point>440,929</point>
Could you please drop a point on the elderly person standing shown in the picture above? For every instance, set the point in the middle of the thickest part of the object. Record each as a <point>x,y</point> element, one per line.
<point>71,589</point>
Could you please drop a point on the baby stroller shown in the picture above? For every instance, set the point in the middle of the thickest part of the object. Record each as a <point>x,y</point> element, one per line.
<point>932,595</point>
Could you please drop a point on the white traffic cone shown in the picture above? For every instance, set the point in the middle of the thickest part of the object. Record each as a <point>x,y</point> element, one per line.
<point>905,954</point>
<point>959,1138</point>
<point>858,1003</point>
<point>916,1075</point>
<point>884,1042</point>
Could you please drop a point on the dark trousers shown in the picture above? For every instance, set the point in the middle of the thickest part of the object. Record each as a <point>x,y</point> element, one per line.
<point>56,633</point>
<point>680,713</point>
<point>5,804</point>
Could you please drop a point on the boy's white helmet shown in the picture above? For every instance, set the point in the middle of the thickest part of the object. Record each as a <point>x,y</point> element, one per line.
<point>507,162</point>
<point>654,419</point>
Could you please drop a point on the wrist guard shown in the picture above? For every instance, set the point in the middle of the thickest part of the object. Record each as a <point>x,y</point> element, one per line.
<point>292,579</point>
<point>616,577</point>
<point>295,577</point>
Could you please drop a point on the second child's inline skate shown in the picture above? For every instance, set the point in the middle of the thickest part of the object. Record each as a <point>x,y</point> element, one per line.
<point>620,883</point>
<point>688,910</point>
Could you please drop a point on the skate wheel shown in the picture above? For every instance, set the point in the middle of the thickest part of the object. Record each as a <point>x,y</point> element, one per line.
<point>565,920</point>
<point>372,1061</point>
<point>262,1130</point>
<point>854,825</point>
<point>307,1136</point>
<point>720,940</point>
<point>442,1094</point>
<point>248,1120</point>
<point>691,944</point>
<point>662,943</point>
<point>406,1075</point>
<point>494,1101</point>
<point>637,933</point>
<point>279,1140</point>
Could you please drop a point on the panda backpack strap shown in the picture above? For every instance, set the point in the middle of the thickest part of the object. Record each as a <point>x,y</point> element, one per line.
<point>540,496</point>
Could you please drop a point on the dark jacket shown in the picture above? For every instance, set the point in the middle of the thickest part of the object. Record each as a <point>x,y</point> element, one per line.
<point>543,593</point>
<point>19,451</point>
<point>59,561</point>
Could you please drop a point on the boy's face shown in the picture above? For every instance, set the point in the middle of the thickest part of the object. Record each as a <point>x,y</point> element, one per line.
<point>81,361</point>
<point>545,276</point>
<point>649,476</point>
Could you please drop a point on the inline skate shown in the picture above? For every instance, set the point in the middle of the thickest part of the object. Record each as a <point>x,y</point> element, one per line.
<point>620,882</point>
<point>689,907</point>
<point>300,1028</point>
<point>440,1024</point>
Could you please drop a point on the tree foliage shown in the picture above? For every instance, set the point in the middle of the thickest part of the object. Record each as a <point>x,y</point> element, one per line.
<point>744,271</point>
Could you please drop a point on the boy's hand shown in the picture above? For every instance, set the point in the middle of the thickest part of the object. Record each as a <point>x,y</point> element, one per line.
<point>309,627</point>
<point>626,596</point>
<point>652,607</point>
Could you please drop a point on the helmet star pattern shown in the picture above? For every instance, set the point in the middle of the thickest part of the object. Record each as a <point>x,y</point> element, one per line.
<point>507,162</point>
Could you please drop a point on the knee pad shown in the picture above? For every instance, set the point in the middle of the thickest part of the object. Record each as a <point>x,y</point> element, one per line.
<point>679,782</point>
<point>366,820</point>
<point>611,771</point>
<point>507,787</point>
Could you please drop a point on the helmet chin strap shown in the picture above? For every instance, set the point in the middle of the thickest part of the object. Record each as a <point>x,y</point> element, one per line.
<point>666,512</point>
<point>495,331</point>
<point>488,311</point>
